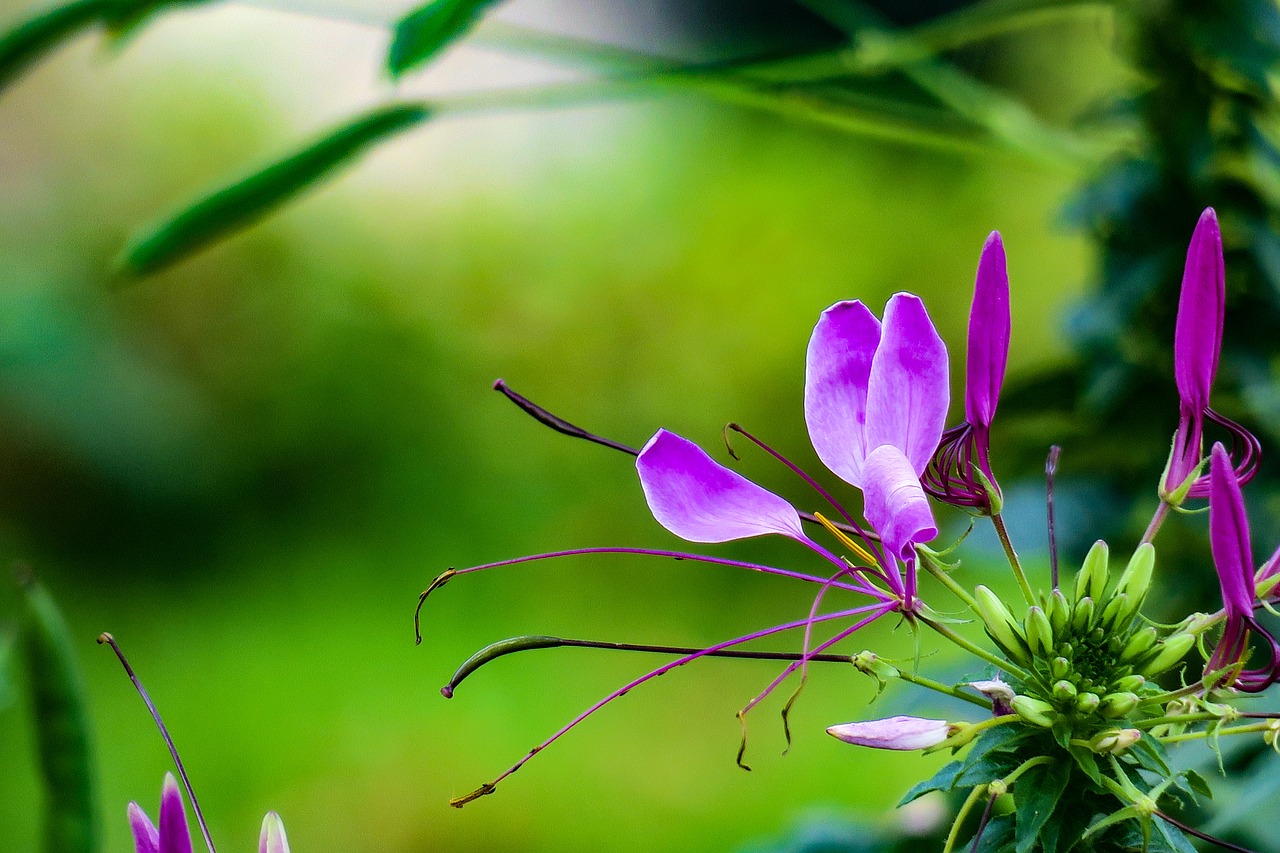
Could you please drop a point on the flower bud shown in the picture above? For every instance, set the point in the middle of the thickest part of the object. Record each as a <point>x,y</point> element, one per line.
<point>1136,578</point>
<point>1060,668</point>
<point>1000,625</point>
<point>1039,632</point>
<point>1139,644</point>
<point>1117,613</point>
<point>1082,615</point>
<point>902,733</point>
<point>1129,684</point>
<point>1091,580</point>
<point>1087,703</point>
<point>1114,741</point>
<point>999,692</point>
<point>1169,652</point>
<point>1034,711</point>
<point>1064,691</point>
<point>1117,705</point>
<point>1059,612</point>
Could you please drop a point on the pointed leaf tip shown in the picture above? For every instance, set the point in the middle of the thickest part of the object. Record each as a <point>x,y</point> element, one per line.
<point>428,29</point>
<point>239,204</point>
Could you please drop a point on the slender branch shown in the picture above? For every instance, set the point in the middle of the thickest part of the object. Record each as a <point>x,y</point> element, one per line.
<point>933,567</point>
<point>973,648</point>
<point>1014,563</point>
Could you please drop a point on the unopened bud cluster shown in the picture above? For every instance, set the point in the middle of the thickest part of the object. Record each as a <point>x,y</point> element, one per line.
<point>1088,656</point>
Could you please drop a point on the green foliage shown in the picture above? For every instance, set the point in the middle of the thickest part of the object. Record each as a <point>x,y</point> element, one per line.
<point>63,729</point>
<point>243,202</point>
<point>425,31</point>
<point>23,45</point>
<point>6,670</point>
<point>1036,798</point>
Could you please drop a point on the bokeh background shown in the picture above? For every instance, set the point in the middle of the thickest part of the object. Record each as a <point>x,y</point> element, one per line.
<point>248,467</point>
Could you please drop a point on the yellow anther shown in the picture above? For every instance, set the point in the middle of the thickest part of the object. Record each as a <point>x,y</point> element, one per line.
<point>845,540</point>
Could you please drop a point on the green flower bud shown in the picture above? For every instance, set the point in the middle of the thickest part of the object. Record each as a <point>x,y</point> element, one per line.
<point>1060,668</point>
<point>1117,613</point>
<point>1129,684</point>
<point>1059,612</point>
<point>1117,705</point>
<point>1064,691</point>
<point>1087,703</point>
<point>1139,644</point>
<point>1082,615</point>
<point>1114,741</point>
<point>1034,711</point>
<point>1136,578</point>
<point>1000,625</point>
<point>1039,632</point>
<point>1091,580</point>
<point>1172,650</point>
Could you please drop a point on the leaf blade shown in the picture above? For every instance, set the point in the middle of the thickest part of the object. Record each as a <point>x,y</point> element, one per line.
<point>428,29</point>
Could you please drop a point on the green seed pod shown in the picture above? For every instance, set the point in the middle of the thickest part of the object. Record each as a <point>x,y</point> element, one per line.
<point>1139,644</point>
<point>1034,711</point>
<point>1000,625</point>
<point>1087,703</point>
<point>1129,684</point>
<point>1091,580</point>
<point>1064,691</point>
<point>1136,578</point>
<point>1167,653</point>
<point>1060,668</point>
<point>1082,616</point>
<point>1117,705</point>
<point>1059,612</point>
<point>1039,632</point>
<point>1116,614</point>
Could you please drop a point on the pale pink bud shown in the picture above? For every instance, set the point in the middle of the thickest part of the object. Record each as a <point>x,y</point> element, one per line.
<point>903,733</point>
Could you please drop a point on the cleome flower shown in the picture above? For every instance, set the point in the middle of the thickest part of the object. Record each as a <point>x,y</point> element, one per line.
<point>173,836</point>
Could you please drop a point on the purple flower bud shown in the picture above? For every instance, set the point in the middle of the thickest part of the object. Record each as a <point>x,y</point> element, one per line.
<point>273,839</point>
<point>904,733</point>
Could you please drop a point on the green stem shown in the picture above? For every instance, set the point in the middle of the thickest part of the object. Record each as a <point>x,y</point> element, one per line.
<point>939,687</point>
<point>1234,730</point>
<point>954,835</point>
<point>1014,563</point>
<point>974,649</point>
<point>933,567</point>
<point>1176,719</point>
<point>1153,528</point>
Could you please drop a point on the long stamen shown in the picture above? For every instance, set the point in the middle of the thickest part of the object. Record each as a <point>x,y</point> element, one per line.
<point>558,423</point>
<point>845,539</point>
<point>502,648</point>
<point>796,469</point>
<point>164,732</point>
<point>449,574</point>
<point>489,787</point>
<point>1051,468</point>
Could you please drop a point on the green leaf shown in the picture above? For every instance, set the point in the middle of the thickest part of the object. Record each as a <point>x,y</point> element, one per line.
<point>58,698</point>
<point>1035,797</point>
<point>6,671</point>
<point>1088,762</point>
<point>998,836</point>
<point>249,199</point>
<point>124,16</point>
<point>943,780</point>
<point>1198,783</point>
<point>22,46</point>
<point>425,31</point>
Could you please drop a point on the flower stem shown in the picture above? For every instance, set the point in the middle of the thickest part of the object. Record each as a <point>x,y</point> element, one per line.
<point>973,648</point>
<point>933,567</point>
<point>1234,730</point>
<point>939,687</point>
<point>954,835</point>
<point>1014,563</point>
<point>1153,528</point>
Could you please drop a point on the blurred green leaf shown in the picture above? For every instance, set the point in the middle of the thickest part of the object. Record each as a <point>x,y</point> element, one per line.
<point>24,44</point>
<point>243,202</point>
<point>6,671</point>
<point>59,709</point>
<point>124,16</point>
<point>422,33</point>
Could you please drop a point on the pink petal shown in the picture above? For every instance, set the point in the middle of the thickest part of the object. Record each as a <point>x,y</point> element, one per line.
<point>895,503</point>
<point>837,368</point>
<point>1197,338</point>
<point>1229,537</point>
<point>174,836</point>
<point>700,500</point>
<point>146,838</point>
<point>894,733</point>
<point>273,839</point>
<point>989,328</point>
<point>907,391</point>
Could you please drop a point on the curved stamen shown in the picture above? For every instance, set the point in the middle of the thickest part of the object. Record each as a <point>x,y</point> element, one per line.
<point>164,732</point>
<point>558,423</point>
<point>1246,453</point>
<point>796,469</point>
<point>489,787</point>
<point>948,475</point>
<point>445,577</point>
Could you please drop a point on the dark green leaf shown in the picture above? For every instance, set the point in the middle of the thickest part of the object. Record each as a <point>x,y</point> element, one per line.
<point>123,16</point>
<point>994,765</point>
<point>1198,783</point>
<point>422,33</point>
<point>1151,755</point>
<point>250,198</point>
<point>6,671</point>
<point>943,780</point>
<point>1087,762</point>
<point>62,724</point>
<point>23,45</point>
<point>1035,797</point>
<point>998,836</point>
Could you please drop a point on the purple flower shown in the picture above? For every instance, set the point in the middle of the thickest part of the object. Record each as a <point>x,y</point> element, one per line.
<point>1233,558</point>
<point>904,733</point>
<point>875,401</point>
<point>1197,343</point>
<point>950,477</point>
<point>173,836</point>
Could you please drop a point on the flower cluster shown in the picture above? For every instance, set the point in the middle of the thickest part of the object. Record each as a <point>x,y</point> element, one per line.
<point>1084,693</point>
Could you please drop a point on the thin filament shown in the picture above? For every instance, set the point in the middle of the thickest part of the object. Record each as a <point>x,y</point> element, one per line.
<point>796,469</point>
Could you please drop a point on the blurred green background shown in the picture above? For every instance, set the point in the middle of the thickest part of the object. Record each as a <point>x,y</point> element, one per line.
<point>248,467</point>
